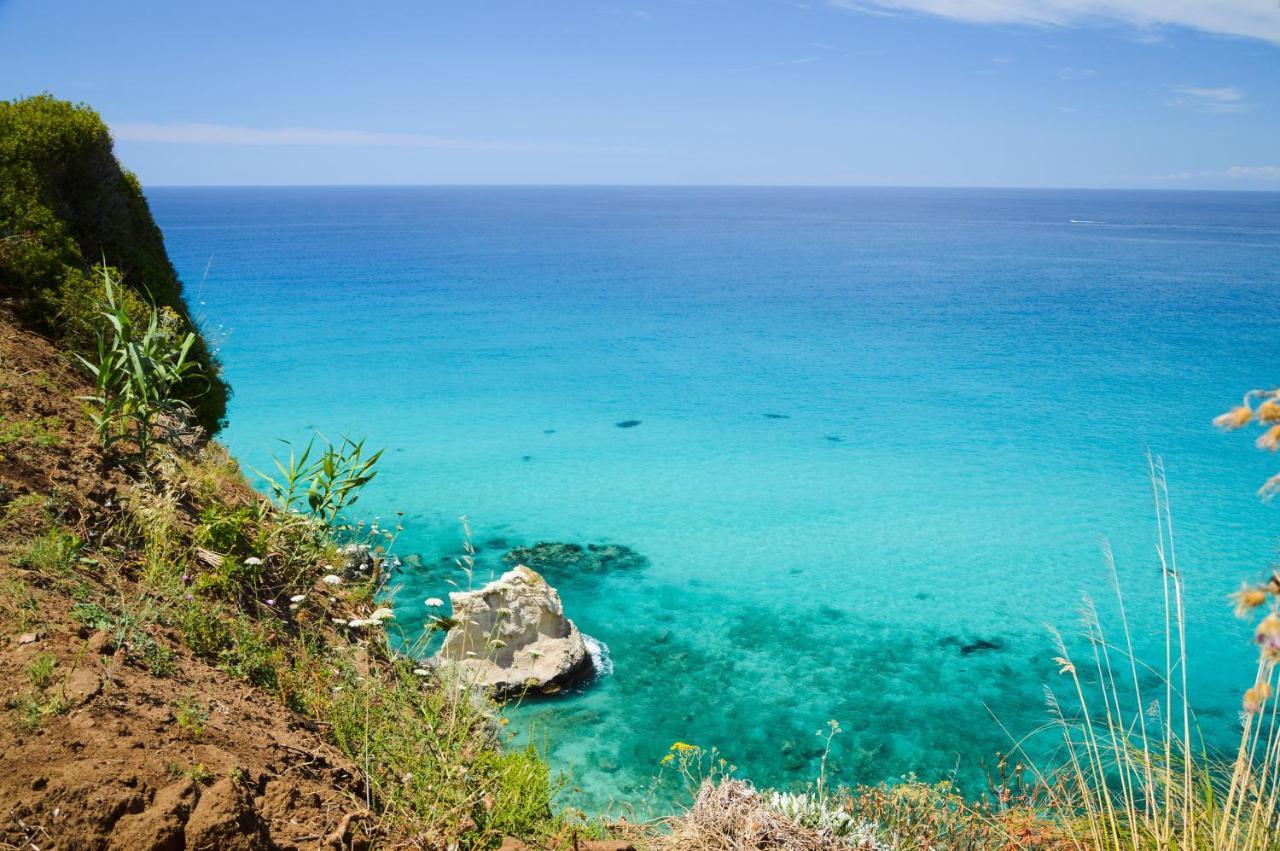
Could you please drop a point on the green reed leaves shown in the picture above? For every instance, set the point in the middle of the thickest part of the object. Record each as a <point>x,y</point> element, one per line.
<point>322,482</point>
<point>137,369</point>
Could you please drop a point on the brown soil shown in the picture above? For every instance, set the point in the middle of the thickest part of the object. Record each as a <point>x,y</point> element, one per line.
<point>115,768</point>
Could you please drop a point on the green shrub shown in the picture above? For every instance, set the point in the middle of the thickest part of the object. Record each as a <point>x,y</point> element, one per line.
<point>523,802</point>
<point>44,432</point>
<point>191,717</point>
<point>224,529</point>
<point>56,552</point>
<point>65,204</point>
<point>40,670</point>
<point>130,626</point>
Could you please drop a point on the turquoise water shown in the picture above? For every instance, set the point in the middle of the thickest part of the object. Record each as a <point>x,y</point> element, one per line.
<point>877,427</point>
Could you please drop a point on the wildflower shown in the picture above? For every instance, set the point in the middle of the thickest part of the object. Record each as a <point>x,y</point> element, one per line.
<point>186,579</point>
<point>1270,439</point>
<point>270,602</point>
<point>1247,599</point>
<point>1256,696</point>
<point>379,615</point>
<point>682,747</point>
<point>421,672</point>
<point>667,759</point>
<point>253,561</point>
<point>1268,635</point>
<point>359,623</point>
<point>332,579</point>
<point>1234,418</point>
<point>188,597</point>
<point>297,598</point>
<point>1268,412</point>
<point>435,602</point>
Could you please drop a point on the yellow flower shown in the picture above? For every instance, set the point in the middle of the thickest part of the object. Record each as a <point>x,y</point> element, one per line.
<point>1269,412</point>
<point>1247,599</point>
<point>682,747</point>
<point>1270,438</point>
<point>1256,696</point>
<point>666,759</point>
<point>1234,418</point>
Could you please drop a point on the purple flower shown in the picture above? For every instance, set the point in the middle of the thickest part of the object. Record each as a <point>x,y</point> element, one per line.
<point>271,602</point>
<point>186,579</point>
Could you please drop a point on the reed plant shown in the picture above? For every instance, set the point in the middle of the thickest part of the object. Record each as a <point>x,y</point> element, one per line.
<point>137,369</point>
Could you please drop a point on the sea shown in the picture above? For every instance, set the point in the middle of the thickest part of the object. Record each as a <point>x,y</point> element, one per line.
<point>866,449</point>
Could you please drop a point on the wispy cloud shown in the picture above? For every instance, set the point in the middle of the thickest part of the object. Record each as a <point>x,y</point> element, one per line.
<point>1248,18</point>
<point>1210,98</point>
<point>1235,173</point>
<point>226,134</point>
<point>781,63</point>
<point>638,14</point>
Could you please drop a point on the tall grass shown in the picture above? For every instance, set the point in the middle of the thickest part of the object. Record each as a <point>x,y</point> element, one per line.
<point>1134,771</point>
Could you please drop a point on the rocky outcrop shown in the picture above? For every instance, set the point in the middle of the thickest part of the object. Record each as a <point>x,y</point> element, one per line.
<point>511,636</point>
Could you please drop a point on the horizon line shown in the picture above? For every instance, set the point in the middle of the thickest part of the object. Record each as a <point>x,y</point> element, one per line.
<point>956,187</point>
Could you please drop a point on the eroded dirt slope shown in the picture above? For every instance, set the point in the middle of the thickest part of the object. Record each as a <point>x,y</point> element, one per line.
<point>98,749</point>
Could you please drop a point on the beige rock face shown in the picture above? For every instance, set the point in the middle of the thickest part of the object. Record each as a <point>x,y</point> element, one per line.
<point>512,636</point>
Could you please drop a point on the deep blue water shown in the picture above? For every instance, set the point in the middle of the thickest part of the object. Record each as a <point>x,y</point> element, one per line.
<point>964,384</point>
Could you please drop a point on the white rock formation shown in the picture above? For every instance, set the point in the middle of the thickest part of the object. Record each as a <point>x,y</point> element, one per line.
<point>512,636</point>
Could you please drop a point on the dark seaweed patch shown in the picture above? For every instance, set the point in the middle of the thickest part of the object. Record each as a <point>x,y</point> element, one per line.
<point>558,561</point>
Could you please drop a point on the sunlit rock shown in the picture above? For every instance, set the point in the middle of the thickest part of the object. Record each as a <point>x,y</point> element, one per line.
<point>511,636</point>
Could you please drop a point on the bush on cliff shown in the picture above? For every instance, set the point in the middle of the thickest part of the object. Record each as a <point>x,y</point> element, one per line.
<point>66,205</point>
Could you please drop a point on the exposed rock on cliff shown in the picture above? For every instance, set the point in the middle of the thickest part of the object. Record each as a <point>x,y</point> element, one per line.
<point>512,636</point>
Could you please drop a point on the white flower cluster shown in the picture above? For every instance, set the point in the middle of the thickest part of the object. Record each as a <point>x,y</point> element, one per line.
<point>375,619</point>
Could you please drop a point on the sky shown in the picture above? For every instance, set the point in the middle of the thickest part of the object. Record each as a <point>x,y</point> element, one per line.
<point>1178,94</point>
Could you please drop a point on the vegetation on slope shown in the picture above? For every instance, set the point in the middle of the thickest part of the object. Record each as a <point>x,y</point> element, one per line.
<point>66,206</point>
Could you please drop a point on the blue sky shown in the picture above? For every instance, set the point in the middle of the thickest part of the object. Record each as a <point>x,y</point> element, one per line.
<point>1106,93</point>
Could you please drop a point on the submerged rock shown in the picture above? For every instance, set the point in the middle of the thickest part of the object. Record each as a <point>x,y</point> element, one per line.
<point>628,424</point>
<point>561,560</point>
<point>511,636</point>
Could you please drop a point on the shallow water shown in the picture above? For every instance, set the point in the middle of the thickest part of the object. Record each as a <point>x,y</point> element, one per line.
<point>877,430</point>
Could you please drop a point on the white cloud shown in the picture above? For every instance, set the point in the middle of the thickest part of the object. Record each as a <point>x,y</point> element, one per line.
<point>226,134</point>
<point>1253,172</point>
<point>1234,174</point>
<point>1249,18</point>
<point>1210,98</point>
